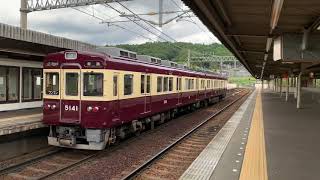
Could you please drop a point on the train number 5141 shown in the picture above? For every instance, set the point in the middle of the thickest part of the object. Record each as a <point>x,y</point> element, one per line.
<point>70,108</point>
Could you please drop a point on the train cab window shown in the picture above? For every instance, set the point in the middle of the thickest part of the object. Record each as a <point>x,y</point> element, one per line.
<point>165,84</point>
<point>128,84</point>
<point>115,85</point>
<point>159,84</point>
<point>142,84</point>
<point>52,83</point>
<point>93,84</point>
<point>148,84</point>
<point>72,84</point>
<point>170,83</point>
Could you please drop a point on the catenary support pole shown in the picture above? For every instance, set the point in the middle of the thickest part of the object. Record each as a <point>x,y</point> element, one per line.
<point>296,87</point>
<point>23,14</point>
<point>160,12</point>
<point>299,91</point>
<point>287,91</point>
<point>280,87</point>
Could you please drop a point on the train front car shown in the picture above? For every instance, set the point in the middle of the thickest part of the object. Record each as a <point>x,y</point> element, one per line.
<point>73,94</point>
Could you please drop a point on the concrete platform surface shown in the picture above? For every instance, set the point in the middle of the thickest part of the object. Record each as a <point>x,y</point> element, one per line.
<point>209,159</point>
<point>20,120</point>
<point>292,136</point>
<point>273,140</point>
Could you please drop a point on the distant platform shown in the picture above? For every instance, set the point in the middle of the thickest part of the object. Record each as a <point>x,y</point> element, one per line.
<point>272,140</point>
<point>20,120</point>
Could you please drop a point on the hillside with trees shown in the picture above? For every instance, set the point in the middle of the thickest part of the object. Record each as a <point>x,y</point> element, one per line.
<point>176,51</point>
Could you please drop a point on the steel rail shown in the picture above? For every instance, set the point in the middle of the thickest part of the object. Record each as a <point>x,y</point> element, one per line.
<point>32,161</point>
<point>136,171</point>
<point>17,166</point>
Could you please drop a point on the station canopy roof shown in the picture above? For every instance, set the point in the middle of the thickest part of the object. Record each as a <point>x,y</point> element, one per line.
<point>25,44</point>
<point>244,27</point>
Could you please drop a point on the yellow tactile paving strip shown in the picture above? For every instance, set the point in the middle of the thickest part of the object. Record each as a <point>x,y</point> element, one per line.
<point>254,166</point>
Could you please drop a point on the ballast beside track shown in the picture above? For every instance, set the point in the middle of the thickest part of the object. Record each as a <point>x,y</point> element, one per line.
<point>172,161</point>
<point>118,161</point>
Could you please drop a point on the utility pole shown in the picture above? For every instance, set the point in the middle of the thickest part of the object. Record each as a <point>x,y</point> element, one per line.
<point>189,52</point>
<point>160,12</point>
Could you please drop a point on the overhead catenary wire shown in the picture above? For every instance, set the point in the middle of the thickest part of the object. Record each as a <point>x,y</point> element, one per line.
<point>146,22</point>
<point>194,22</point>
<point>119,26</point>
<point>139,24</point>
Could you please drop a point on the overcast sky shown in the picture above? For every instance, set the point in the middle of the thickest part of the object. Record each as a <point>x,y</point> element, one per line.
<point>71,23</point>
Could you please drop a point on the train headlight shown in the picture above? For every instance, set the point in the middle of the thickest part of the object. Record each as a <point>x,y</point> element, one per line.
<point>95,109</point>
<point>53,106</point>
<point>47,106</point>
<point>89,108</point>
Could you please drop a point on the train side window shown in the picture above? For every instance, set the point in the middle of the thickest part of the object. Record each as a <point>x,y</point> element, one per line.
<point>192,84</point>
<point>148,84</point>
<point>92,84</point>
<point>177,84</point>
<point>170,83</point>
<point>142,85</point>
<point>197,84</point>
<point>52,83</point>
<point>165,84</point>
<point>202,84</point>
<point>128,84</point>
<point>115,85</point>
<point>186,84</point>
<point>159,84</point>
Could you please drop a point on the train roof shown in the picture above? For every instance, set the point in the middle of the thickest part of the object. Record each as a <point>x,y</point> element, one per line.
<point>54,60</point>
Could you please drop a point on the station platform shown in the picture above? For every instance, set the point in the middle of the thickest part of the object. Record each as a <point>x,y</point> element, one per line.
<point>20,120</point>
<point>267,138</point>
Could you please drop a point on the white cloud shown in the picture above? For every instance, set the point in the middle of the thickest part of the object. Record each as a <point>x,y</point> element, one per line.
<point>73,24</point>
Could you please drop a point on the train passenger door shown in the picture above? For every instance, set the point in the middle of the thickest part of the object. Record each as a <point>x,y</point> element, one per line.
<point>70,102</point>
<point>116,104</point>
<point>197,88</point>
<point>179,90</point>
<point>146,92</point>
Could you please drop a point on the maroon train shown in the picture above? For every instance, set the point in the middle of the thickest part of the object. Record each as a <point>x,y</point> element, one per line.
<point>91,99</point>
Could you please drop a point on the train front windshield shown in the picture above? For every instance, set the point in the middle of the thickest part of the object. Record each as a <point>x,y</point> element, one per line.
<point>52,83</point>
<point>92,84</point>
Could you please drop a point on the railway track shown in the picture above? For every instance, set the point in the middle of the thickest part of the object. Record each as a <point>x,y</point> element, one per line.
<point>59,161</point>
<point>172,161</point>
